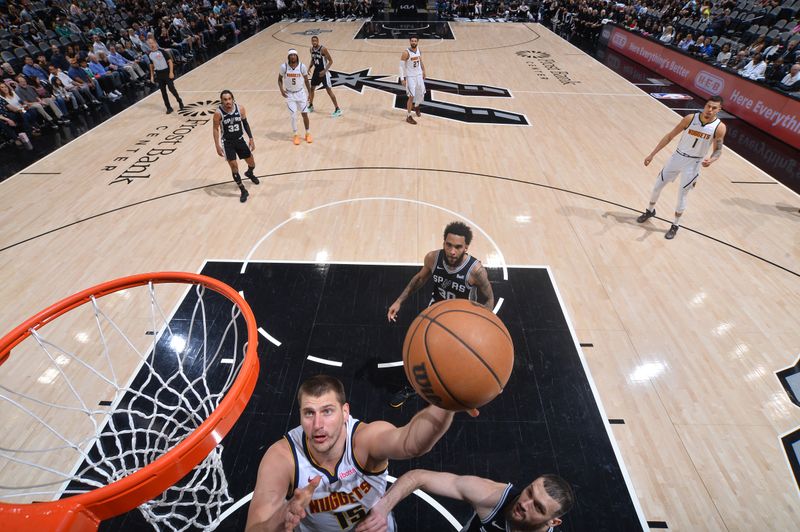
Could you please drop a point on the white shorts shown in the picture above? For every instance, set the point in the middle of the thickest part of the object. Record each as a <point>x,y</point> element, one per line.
<point>297,101</point>
<point>687,167</point>
<point>415,88</point>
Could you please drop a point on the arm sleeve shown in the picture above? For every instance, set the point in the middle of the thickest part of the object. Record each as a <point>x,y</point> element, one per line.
<point>402,69</point>
<point>246,127</point>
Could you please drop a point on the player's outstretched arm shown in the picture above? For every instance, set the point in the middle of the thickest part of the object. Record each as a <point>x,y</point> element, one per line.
<point>380,441</point>
<point>683,124</point>
<point>719,138</point>
<point>269,509</point>
<point>416,282</point>
<point>482,494</point>
<point>480,279</point>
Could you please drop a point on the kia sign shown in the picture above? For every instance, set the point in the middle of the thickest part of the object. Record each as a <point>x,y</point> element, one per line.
<point>768,110</point>
<point>709,83</point>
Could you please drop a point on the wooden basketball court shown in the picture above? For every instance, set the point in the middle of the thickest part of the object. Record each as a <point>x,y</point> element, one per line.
<point>683,338</point>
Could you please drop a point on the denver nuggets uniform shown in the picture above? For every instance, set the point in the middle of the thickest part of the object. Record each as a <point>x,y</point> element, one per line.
<point>415,85</point>
<point>453,283</point>
<point>692,148</point>
<point>343,498</point>
<point>295,86</point>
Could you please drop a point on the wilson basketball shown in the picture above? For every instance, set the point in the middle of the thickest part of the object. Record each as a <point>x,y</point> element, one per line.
<point>458,355</point>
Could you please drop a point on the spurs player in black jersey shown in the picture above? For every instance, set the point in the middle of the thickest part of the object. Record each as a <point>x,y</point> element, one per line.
<point>456,275</point>
<point>232,118</point>
<point>321,61</point>
<point>498,507</point>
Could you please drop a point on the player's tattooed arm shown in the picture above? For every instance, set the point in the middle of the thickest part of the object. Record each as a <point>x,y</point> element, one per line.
<point>717,149</point>
<point>718,143</point>
<point>480,278</point>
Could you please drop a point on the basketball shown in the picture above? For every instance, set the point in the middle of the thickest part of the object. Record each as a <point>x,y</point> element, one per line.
<point>458,355</point>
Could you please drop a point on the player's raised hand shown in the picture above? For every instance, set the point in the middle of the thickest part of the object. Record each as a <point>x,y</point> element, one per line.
<point>393,310</point>
<point>296,507</point>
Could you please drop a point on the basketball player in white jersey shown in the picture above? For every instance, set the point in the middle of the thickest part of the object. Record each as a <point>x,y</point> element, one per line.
<point>321,62</point>
<point>412,76</point>
<point>538,507</point>
<point>456,275</point>
<point>700,131</point>
<point>326,474</point>
<point>293,83</point>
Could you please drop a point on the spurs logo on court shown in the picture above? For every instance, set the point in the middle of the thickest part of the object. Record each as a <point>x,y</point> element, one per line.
<point>312,32</point>
<point>463,113</point>
<point>205,108</point>
<point>533,54</point>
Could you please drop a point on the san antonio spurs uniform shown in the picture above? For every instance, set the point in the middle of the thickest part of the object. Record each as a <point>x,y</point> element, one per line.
<point>415,85</point>
<point>341,499</point>
<point>295,86</point>
<point>233,134</point>
<point>319,63</point>
<point>496,520</point>
<point>692,148</point>
<point>453,283</point>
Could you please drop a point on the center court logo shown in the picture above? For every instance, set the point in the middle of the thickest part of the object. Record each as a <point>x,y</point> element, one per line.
<point>708,82</point>
<point>205,108</point>
<point>312,32</point>
<point>619,40</point>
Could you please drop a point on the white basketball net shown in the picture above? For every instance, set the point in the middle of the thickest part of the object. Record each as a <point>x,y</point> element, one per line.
<point>63,440</point>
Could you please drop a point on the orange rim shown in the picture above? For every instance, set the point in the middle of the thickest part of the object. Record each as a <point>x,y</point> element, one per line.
<point>85,511</point>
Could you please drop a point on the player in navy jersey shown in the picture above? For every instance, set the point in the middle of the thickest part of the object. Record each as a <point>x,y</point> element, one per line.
<point>326,474</point>
<point>456,275</point>
<point>321,62</point>
<point>231,118</point>
<point>498,507</point>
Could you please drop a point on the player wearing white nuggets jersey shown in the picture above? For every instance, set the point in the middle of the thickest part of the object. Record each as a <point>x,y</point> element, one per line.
<point>700,132</point>
<point>326,474</point>
<point>412,76</point>
<point>343,496</point>
<point>293,84</point>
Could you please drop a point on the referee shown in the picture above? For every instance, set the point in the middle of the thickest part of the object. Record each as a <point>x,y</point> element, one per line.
<point>161,69</point>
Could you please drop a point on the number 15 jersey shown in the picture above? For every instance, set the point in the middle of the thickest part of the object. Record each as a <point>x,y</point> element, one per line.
<point>344,496</point>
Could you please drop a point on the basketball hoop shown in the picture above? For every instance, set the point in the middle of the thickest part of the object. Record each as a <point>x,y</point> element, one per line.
<point>160,424</point>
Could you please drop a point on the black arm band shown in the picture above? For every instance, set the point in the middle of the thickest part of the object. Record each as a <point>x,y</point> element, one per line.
<point>247,128</point>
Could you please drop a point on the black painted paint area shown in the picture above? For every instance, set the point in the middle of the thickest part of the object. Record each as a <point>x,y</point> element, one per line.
<point>545,421</point>
<point>404,29</point>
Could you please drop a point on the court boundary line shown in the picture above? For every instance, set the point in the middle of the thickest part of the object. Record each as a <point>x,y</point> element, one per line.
<point>604,416</point>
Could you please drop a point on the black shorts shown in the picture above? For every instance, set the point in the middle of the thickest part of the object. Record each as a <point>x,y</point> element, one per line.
<point>318,79</point>
<point>234,148</point>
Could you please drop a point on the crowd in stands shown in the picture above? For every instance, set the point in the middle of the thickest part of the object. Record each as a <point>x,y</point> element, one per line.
<point>65,58</point>
<point>757,39</point>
